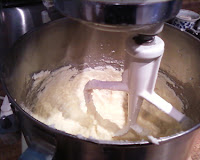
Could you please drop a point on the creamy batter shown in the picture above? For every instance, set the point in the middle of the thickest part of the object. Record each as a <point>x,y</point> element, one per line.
<point>60,104</point>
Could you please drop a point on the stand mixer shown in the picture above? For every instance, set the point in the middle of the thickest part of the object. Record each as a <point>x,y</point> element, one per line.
<point>144,51</point>
<point>87,40</point>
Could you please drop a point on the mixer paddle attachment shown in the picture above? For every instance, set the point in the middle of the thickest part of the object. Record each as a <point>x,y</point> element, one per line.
<point>144,54</point>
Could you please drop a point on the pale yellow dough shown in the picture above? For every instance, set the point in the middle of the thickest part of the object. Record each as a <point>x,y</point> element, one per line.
<point>60,103</point>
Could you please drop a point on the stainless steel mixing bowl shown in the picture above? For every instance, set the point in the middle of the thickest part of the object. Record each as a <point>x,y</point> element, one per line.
<point>67,41</point>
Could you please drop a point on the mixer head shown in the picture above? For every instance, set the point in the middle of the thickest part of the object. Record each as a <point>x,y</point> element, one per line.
<point>110,14</point>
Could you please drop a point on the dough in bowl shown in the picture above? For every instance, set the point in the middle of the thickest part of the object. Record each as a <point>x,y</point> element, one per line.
<point>60,104</point>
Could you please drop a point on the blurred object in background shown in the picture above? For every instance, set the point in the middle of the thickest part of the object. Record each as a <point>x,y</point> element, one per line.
<point>14,3</point>
<point>48,3</point>
<point>193,5</point>
<point>186,19</point>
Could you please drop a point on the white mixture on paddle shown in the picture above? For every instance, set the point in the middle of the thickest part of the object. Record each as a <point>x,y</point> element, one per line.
<point>60,104</point>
